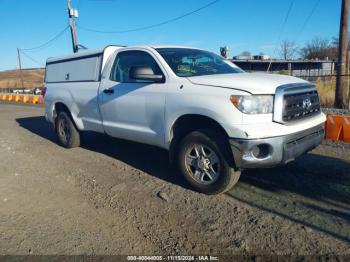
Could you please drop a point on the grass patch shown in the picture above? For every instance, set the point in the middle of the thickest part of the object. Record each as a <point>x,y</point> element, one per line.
<point>326,90</point>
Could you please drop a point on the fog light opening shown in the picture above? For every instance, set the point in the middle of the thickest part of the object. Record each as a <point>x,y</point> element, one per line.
<point>261,151</point>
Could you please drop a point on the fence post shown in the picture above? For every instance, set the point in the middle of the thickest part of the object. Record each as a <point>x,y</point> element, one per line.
<point>290,68</point>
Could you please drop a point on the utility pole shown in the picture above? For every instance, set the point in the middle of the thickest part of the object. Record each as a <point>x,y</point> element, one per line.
<point>343,47</point>
<point>347,101</point>
<point>72,14</point>
<point>20,67</point>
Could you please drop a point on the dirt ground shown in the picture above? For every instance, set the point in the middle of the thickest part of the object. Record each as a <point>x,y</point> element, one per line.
<point>116,197</point>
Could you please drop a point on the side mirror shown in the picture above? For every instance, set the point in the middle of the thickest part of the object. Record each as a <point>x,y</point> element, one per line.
<point>145,73</point>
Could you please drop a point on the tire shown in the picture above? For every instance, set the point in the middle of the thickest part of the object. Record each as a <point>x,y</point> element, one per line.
<point>206,163</point>
<point>67,134</point>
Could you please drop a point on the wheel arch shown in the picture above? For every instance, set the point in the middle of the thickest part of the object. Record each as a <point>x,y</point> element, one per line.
<point>60,106</point>
<point>188,123</point>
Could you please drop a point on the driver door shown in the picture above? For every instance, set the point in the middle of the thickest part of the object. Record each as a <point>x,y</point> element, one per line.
<point>133,110</point>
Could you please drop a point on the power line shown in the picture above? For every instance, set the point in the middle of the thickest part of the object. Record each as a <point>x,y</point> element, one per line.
<point>286,18</point>
<point>151,26</point>
<point>48,42</point>
<point>102,0</point>
<point>309,17</point>
<point>305,23</point>
<point>31,58</point>
<point>281,30</point>
<point>284,24</point>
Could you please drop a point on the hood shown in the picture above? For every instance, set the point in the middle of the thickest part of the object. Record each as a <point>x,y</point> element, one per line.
<point>254,83</point>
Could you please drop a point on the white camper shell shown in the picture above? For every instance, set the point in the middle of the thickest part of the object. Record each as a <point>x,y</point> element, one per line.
<point>80,67</point>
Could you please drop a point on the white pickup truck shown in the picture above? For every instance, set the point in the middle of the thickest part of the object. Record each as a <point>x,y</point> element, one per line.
<point>212,117</point>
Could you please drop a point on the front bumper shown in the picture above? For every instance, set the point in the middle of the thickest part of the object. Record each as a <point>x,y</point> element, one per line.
<point>269,152</point>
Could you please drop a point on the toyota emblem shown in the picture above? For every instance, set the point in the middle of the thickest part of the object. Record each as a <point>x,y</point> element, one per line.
<point>307,103</point>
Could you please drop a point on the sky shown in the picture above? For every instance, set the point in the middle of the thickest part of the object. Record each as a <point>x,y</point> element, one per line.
<point>257,26</point>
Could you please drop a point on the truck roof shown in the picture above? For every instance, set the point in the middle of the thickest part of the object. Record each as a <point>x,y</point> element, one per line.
<point>87,65</point>
<point>89,52</point>
<point>171,46</point>
<point>93,52</point>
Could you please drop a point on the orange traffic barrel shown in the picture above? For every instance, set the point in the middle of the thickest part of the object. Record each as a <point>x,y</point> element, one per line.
<point>334,127</point>
<point>346,129</point>
<point>25,99</point>
<point>35,100</point>
<point>19,98</point>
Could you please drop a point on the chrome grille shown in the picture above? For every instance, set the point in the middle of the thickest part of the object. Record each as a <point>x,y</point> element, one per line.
<point>300,105</point>
<point>295,102</point>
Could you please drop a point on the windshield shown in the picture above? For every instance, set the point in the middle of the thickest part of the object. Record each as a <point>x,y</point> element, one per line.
<point>192,62</point>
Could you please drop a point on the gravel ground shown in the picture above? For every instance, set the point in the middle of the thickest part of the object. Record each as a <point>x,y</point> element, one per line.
<point>335,111</point>
<point>117,197</point>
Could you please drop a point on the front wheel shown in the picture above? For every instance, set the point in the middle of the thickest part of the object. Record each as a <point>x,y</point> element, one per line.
<point>203,160</point>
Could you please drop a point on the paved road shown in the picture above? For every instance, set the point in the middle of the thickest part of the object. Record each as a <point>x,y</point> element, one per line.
<point>103,198</point>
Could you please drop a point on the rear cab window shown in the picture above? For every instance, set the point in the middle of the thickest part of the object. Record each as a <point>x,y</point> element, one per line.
<point>127,59</point>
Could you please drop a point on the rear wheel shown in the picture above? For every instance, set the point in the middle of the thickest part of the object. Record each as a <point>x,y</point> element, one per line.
<point>68,135</point>
<point>203,159</point>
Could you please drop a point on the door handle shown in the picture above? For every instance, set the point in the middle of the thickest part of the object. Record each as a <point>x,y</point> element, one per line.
<point>108,91</point>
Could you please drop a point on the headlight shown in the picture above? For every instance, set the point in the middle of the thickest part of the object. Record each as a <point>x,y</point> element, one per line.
<point>254,104</point>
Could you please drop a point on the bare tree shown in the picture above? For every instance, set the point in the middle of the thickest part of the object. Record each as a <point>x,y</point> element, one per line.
<point>319,48</point>
<point>335,45</point>
<point>288,50</point>
<point>246,53</point>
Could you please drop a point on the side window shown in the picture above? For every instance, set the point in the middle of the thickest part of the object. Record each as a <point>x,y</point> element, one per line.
<point>125,60</point>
